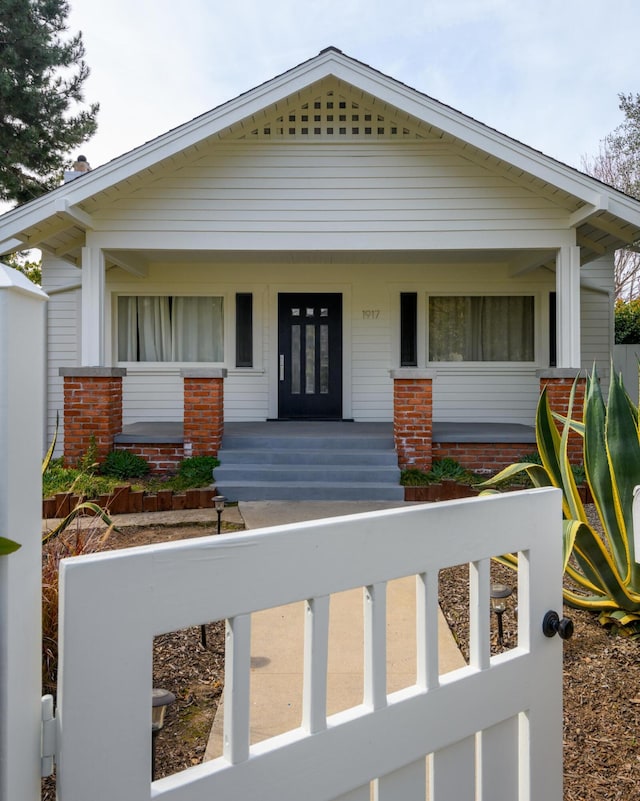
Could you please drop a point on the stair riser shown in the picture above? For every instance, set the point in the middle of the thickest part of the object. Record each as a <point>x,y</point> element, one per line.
<point>307,443</point>
<point>317,493</point>
<point>367,458</point>
<point>306,473</point>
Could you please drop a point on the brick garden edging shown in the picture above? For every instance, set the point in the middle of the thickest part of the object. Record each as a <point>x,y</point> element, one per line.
<point>123,500</point>
<point>448,490</point>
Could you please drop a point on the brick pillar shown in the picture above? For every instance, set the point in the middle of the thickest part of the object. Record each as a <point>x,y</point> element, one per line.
<point>413,417</point>
<point>203,411</point>
<point>558,382</point>
<point>92,408</point>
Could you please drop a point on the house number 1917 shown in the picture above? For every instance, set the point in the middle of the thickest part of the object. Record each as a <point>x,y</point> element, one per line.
<point>370,314</point>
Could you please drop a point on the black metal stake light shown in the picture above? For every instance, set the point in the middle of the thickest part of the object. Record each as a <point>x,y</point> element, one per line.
<point>499,593</point>
<point>218,505</point>
<point>160,700</point>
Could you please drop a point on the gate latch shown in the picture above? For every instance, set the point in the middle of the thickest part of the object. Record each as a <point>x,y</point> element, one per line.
<point>552,624</point>
<point>48,737</point>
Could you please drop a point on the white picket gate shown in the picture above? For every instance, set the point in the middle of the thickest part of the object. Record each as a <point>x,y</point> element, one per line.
<point>490,731</point>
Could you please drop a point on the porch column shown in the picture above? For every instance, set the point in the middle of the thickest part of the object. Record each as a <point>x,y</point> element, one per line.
<point>92,409</point>
<point>93,300</point>
<point>568,306</point>
<point>203,411</point>
<point>558,382</point>
<point>413,417</point>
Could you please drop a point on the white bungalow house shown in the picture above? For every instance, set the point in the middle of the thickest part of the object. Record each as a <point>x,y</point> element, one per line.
<point>329,246</point>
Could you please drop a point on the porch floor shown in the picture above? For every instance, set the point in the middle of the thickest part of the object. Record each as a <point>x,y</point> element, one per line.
<point>172,432</point>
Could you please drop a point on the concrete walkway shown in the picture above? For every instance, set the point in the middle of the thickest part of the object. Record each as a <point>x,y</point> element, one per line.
<point>278,634</point>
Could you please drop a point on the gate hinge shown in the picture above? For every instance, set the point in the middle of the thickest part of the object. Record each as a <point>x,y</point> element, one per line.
<point>48,737</point>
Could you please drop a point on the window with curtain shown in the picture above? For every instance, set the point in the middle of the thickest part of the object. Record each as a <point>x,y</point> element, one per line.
<point>170,329</point>
<point>481,329</point>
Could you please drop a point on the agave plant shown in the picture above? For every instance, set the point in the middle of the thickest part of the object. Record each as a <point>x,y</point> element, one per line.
<point>601,573</point>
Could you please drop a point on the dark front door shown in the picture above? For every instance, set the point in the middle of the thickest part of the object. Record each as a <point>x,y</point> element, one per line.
<point>310,356</point>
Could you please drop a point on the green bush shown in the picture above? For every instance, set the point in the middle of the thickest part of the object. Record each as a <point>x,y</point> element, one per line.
<point>196,471</point>
<point>124,464</point>
<point>627,322</point>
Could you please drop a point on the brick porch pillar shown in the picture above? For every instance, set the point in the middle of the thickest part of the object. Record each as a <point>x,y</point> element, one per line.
<point>558,382</point>
<point>92,408</point>
<point>413,417</point>
<point>203,411</point>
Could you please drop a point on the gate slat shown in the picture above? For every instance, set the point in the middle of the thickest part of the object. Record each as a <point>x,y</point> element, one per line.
<point>452,772</point>
<point>316,655</point>
<point>428,671</point>
<point>479,645</point>
<point>359,794</point>
<point>405,784</point>
<point>375,645</point>
<point>236,689</point>
<point>498,762</point>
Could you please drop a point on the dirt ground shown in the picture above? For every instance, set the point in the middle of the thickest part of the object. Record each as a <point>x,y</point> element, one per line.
<point>601,687</point>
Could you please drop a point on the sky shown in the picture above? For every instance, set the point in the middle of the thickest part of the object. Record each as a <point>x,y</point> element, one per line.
<point>545,72</point>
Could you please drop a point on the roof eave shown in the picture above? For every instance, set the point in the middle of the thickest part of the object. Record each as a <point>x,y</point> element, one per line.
<point>330,62</point>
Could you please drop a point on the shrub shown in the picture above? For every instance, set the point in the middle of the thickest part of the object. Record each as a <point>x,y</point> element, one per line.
<point>197,470</point>
<point>627,322</point>
<point>599,560</point>
<point>55,549</point>
<point>124,464</point>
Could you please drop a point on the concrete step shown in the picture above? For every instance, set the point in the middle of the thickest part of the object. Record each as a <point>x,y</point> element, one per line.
<point>305,443</point>
<point>309,491</point>
<point>318,456</point>
<point>336,473</point>
<point>308,461</point>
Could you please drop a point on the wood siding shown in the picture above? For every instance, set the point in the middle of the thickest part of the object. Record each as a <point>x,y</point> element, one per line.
<point>247,188</point>
<point>371,295</point>
<point>62,336</point>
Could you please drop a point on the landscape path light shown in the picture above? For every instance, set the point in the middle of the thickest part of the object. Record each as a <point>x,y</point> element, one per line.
<point>499,594</point>
<point>160,700</point>
<point>218,505</point>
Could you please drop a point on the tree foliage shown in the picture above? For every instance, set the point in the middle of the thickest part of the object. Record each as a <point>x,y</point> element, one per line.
<point>22,262</point>
<point>618,164</point>
<point>627,322</point>
<point>42,72</point>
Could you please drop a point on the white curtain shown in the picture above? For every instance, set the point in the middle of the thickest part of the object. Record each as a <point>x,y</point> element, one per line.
<point>164,329</point>
<point>197,331</point>
<point>494,329</point>
<point>154,329</point>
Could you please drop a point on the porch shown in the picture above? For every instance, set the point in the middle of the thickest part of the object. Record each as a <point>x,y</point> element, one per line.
<point>297,459</point>
<point>329,460</point>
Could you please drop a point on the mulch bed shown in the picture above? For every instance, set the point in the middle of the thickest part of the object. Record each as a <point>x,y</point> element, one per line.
<point>601,687</point>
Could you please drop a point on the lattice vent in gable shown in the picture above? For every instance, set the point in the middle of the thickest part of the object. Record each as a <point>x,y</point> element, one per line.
<point>332,115</point>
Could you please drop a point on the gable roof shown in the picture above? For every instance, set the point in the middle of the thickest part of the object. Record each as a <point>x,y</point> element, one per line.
<point>605,217</point>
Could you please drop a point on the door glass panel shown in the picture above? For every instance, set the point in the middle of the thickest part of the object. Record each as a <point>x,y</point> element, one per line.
<point>295,312</point>
<point>324,359</point>
<point>295,359</point>
<point>310,312</point>
<point>310,360</point>
<point>324,312</point>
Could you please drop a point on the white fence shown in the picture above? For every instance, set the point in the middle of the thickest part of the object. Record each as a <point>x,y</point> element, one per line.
<point>625,360</point>
<point>21,427</point>
<point>491,731</point>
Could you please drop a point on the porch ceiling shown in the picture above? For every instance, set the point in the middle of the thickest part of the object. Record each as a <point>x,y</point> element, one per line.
<point>509,257</point>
